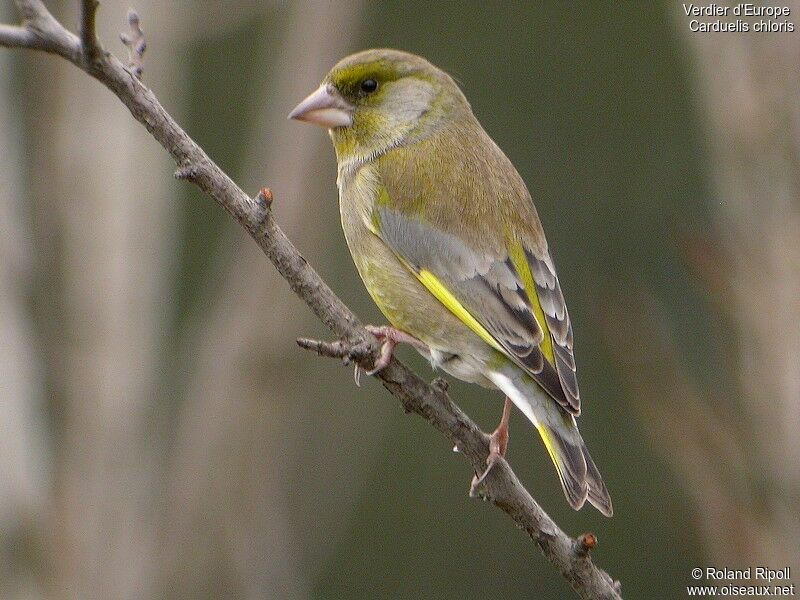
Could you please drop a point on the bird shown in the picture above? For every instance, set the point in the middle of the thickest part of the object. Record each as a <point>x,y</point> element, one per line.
<point>446,238</point>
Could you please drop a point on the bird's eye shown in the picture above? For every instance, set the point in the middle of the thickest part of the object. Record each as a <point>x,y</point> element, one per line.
<point>369,85</point>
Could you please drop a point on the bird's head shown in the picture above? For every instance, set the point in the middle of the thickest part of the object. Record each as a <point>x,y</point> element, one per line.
<point>377,99</point>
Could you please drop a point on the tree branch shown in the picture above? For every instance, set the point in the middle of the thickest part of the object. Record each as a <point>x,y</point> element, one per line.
<point>89,42</point>
<point>40,31</point>
<point>14,36</point>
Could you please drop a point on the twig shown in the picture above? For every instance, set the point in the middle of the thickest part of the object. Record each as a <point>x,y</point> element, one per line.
<point>88,30</point>
<point>136,44</point>
<point>42,32</point>
<point>363,353</point>
<point>16,36</point>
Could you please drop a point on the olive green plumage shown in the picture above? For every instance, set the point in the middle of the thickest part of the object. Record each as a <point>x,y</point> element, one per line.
<point>447,240</point>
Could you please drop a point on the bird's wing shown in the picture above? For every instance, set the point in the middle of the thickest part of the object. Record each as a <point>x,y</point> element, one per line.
<point>512,299</point>
<point>551,300</point>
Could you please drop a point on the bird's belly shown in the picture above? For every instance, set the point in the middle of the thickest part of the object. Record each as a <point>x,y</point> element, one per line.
<point>409,306</point>
<point>405,302</point>
<point>400,296</point>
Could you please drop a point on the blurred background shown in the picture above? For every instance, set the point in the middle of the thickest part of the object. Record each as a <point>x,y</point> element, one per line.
<point>162,436</point>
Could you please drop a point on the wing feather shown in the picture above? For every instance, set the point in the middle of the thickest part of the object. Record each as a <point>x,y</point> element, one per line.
<point>494,293</point>
<point>558,322</point>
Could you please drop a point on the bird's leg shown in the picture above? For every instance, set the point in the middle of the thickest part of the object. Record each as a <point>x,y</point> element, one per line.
<point>498,444</point>
<point>390,337</point>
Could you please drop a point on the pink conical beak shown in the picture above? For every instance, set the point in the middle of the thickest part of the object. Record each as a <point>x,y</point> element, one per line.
<point>324,107</point>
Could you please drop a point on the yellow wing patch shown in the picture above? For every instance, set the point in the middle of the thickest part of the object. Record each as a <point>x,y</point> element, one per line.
<point>517,254</point>
<point>443,295</point>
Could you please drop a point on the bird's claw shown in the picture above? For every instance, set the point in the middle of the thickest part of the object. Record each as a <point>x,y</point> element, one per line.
<point>498,444</point>
<point>478,480</point>
<point>385,357</point>
<point>355,356</point>
<point>389,338</point>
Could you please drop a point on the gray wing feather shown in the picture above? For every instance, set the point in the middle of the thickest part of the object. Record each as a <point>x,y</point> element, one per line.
<point>558,322</point>
<point>489,287</point>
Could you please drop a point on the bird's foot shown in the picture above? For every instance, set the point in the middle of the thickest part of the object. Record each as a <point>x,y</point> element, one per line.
<point>390,337</point>
<point>498,444</point>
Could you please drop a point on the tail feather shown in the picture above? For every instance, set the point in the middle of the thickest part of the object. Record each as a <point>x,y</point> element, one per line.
<point>567,456</point>
<point>598,493</point>
<point>577,472</point>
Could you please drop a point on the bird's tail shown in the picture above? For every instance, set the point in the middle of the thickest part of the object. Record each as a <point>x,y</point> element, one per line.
<point>579,476</point>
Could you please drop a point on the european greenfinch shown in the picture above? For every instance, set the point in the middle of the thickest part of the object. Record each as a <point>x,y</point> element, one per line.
<point>445,236</point>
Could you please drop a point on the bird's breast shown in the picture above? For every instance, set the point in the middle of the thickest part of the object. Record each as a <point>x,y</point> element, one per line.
<point>400,296</point>
<point>390,284</point>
